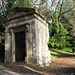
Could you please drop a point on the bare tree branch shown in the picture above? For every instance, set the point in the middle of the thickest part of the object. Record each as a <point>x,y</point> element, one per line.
<point>57,5</point>
<point>67,11</point>
<point>60,11</point>
<point>52,3</point>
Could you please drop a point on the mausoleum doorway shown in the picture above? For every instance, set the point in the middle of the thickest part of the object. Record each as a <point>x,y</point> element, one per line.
<point>20,46</point>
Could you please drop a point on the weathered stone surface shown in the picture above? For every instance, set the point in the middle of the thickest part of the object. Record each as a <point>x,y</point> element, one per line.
<point>36,36</point>
<point>43,54</point>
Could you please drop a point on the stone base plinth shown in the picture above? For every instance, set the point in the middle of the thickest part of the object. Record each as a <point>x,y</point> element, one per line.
<point>31,60</point>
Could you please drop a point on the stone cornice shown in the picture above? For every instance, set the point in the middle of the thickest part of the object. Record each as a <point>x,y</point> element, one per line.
<point>21,12</point>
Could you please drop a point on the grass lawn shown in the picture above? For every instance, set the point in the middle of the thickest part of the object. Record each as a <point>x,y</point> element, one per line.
<point>4,64</point>
<point>54,55</point>
<point>64,50</point>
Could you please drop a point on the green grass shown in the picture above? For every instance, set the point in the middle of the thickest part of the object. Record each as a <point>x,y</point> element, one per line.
<point>4,64</point>
<point>54,55</point>
<point>64,50</point>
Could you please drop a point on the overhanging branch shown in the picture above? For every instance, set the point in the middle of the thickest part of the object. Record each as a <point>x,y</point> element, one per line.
<point>67,11</point>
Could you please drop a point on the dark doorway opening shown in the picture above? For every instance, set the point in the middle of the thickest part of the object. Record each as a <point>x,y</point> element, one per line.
<point>2,48</point>
<point>20,46</point>
<point>2,52</point>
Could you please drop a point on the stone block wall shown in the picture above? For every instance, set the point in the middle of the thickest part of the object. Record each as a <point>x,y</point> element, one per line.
<point>42,39</point>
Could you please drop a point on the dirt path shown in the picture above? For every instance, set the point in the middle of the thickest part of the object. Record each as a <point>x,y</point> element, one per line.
<point>63,65</point>
<point>6,72</point>
<point>64,59</point>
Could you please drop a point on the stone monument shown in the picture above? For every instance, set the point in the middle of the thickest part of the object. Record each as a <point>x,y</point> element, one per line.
<point>26,37</point>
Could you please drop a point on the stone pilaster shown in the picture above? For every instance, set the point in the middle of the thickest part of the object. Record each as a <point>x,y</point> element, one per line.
<point>7,45</point>
<point>13,46</point>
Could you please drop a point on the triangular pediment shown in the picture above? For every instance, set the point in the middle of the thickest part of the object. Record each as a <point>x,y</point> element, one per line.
<point>16,12</point>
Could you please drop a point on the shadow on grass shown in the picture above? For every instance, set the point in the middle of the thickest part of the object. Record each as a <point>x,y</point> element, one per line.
<point>56,55</point>
<point>63,54</point>
<point>69,52</point>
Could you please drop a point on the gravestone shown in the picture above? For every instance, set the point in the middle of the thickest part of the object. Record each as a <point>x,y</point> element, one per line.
<point>26,37</point>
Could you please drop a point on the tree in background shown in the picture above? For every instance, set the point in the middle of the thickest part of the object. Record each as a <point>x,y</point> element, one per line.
<point>59,37</point>
<point>17,3</point>
<point>73,27</point>
<point>2,13</point>
<point>61,24</point>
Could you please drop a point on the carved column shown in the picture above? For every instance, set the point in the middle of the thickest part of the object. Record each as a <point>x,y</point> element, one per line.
<point>28,42</point>
<point>13,45</point>
<point>7,46</point>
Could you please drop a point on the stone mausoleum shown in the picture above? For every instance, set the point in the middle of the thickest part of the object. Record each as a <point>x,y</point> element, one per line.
<point>26,37</point>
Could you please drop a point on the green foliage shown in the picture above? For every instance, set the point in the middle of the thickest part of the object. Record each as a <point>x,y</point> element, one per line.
<point>18,3</point>
<point>59,37</point>
<point>55,24</point>
<point>54,55</point>
<point>66,23</point>
<point>22,3</point>
<point>59,41</point>
<point>9,6</point>
<point>5,64</point>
